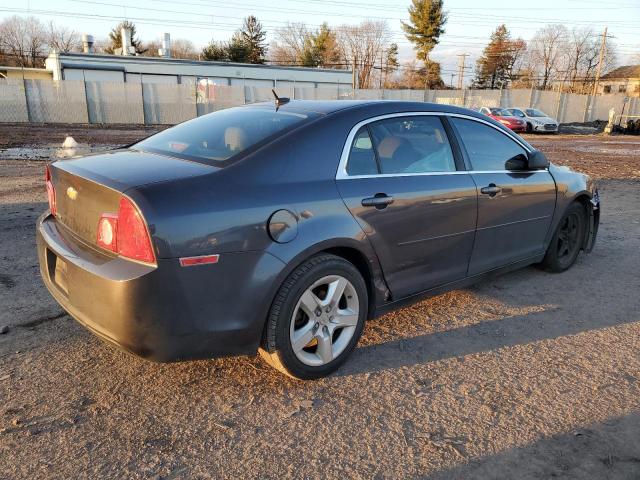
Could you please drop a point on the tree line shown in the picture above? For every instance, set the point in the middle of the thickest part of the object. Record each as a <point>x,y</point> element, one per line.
<point>554,54</point>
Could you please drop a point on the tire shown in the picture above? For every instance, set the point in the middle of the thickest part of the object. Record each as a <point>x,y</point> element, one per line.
<point>567,240</point>
<point>529,128</point>
<point>304,309</point>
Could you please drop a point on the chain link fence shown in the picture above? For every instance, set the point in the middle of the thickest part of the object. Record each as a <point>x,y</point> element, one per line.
<point>77,101</point>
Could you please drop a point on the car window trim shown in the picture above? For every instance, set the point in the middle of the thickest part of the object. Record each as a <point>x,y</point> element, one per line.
<point>341,173</point>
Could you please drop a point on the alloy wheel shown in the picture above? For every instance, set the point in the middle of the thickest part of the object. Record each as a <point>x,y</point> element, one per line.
<point>324,320</point>
<point>568,236</point>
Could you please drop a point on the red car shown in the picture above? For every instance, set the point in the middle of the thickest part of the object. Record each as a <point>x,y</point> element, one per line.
<point>505,118</point>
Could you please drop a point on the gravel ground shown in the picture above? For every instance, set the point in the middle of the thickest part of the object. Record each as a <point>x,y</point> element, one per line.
<point>529,375</point>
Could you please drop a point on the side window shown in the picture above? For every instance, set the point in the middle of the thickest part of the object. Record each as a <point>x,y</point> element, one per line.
<point>362,158</point>
<point>412,145</point>
<point>488,149</point>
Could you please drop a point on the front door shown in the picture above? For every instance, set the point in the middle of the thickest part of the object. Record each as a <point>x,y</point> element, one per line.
<point>514,207</point>
<point>415,204</point>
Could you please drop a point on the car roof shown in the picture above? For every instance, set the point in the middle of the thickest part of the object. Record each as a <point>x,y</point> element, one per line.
<point>327,107</point>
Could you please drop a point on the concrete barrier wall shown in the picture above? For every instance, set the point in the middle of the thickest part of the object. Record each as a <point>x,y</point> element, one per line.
<point>56,102</point>
<point>77,101</point>
<point>13,101</point>
<point>114,102</point>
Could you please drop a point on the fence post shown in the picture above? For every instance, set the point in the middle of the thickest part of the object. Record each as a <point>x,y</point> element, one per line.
<point>559,105</point>
<point>531,97</point>
<point>587,108</point>
<point>26,99</point>
<point>86,97</point>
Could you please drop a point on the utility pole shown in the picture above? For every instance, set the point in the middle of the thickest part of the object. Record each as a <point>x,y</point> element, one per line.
<point>461,67</point>
<point>381,69</point>
<point>603,45</point>
<point>353,74</point>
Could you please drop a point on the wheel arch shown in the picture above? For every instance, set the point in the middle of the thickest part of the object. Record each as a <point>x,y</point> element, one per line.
<point>358,252</point>
<point>593,219</point>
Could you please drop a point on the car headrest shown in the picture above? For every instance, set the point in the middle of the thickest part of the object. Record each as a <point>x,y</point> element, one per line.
<point>235,139</point>
<point>389,145</point>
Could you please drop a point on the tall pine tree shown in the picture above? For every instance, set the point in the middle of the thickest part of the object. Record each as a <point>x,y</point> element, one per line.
<point>494,67</point>
<point>426,23</point>
<point>253,36</point>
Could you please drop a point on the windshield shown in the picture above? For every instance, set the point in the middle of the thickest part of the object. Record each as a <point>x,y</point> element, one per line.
<point>215,138</point>
<point>500,112</point>
<point>532,112</point>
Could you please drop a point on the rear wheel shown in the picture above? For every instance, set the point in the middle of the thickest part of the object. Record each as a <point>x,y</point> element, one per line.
<point>316,319</point>
<point>567,240</point>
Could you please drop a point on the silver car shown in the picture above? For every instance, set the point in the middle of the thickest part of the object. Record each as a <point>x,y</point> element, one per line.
<point>537,120</point>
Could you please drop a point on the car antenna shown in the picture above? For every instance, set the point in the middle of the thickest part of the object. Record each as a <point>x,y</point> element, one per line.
<point>279,100</point>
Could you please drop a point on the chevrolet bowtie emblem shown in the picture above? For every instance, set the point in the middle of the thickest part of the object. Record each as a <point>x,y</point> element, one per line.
<point>72,193</point>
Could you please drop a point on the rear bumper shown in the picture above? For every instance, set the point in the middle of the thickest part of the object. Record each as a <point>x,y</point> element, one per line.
<point>164,312</point>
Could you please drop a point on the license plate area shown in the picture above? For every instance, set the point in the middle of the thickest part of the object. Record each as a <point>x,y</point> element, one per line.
<point>57,269</point>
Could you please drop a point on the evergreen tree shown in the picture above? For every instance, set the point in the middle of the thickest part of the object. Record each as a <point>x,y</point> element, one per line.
<point>426,24</point>
<point>493,68</point>
<point>216,51</point>
<point>391,62</point>
<point>238,50</point>
<point>252,36</point>
<point>115,37</point>
<point>320,48</point>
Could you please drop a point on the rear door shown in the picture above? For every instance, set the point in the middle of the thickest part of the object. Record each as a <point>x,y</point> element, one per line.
<point>406,186</point>
<point>514,207</point>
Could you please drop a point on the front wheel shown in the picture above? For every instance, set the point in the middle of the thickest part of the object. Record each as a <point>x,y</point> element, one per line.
<point>568,239</point>
<point>316,318</point>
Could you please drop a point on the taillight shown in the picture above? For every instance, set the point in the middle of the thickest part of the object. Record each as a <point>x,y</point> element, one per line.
<point>125,233</point>
<point>51,191</point>
<point>133,238</point>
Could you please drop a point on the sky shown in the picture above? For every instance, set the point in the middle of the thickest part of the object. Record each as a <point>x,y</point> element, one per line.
<point>467,30</point>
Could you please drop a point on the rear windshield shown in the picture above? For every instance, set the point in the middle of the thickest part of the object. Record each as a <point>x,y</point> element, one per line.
<point>219,136</point>
<point>500,112</point>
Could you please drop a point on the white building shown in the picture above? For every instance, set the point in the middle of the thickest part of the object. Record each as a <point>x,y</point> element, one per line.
<point>119,68</point>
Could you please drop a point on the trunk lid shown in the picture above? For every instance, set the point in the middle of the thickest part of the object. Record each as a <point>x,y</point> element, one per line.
<point>90,186</point>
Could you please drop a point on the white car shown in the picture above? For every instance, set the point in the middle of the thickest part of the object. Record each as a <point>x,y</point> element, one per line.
<point>537,120</point>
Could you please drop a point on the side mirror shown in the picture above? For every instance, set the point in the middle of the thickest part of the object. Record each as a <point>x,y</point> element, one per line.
<point>519,162</point>
<point>537,160</point>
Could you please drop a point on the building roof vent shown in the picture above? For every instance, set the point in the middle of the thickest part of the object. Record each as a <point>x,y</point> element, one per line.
<point>165,51</point>
<point>87,43</point>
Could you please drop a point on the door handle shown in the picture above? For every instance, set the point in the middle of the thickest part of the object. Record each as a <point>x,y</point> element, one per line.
<point>380,201</point>
<point>491,190</point>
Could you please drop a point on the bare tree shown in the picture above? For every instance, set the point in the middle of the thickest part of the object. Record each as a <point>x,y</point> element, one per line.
<point>547,48</point>
<point>288,45</point>
<point>24,39</point>
<point>180,48</point>
<point>362,45</point>
<point>62,39</point>
<point>583,57</point>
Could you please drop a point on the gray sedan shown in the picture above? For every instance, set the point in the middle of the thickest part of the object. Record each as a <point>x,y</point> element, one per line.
<point>537,120</point>
<point>283,228</point>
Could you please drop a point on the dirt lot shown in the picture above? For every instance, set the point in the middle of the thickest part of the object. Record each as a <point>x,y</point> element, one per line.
<point>530,375</point>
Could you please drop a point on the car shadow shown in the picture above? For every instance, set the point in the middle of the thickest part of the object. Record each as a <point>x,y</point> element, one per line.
<point>608,449</point>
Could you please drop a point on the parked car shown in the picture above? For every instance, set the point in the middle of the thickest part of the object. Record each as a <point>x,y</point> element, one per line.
<point>537,120</point>
<point>505,118</point>
<point>282,229</point>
